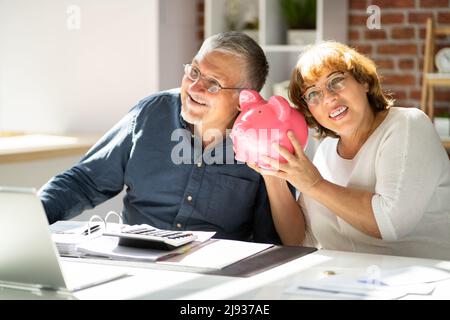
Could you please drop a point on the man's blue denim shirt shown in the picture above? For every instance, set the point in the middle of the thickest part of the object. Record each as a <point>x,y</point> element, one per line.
<point>138,152</point>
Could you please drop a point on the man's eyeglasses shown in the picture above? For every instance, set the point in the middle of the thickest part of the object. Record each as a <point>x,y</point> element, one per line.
<point>213,86</point>
<point>314,96</point>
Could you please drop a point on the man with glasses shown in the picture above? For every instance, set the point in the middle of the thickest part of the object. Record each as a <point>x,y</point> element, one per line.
<point>204,191</point>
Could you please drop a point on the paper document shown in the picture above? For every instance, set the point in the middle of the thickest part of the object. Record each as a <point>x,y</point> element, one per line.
<point>387,284</point>
<point>338,289</point>
<point>411,275</point>
<point>217,254</point>
<point>108,247</point>
<point>73,227</point>
<point>67,235</point>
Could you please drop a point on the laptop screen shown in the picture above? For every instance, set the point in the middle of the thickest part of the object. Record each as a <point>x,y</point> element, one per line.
<point>27,251</point>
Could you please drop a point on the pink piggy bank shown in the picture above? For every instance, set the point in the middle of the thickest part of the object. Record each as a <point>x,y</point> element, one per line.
<point>262,123</point>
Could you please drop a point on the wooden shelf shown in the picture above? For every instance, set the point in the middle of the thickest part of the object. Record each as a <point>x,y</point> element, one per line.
<point>283,48</point>
<point>438,79</point>
<point>30,147</point>
<point>431,78</point>
<point>446,143</point>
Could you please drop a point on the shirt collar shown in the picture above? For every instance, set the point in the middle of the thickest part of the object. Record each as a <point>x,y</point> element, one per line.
<point>226,145</point>
<point>183,123</point>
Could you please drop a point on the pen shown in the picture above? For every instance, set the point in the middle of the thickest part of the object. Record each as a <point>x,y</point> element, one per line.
<point>333,291</point>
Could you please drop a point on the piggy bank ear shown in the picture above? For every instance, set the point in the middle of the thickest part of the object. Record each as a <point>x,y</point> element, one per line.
<point>280,106</point>
<point>247,98</point>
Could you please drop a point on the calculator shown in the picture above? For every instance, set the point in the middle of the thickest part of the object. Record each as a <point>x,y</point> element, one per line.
<point>148,237</point>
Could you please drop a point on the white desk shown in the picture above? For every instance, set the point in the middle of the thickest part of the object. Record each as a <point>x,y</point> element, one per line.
<point>273,283</point>
<point>149,281</point>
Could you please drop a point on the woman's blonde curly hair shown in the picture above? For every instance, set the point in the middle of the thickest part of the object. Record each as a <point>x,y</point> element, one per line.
<point>334,56</point>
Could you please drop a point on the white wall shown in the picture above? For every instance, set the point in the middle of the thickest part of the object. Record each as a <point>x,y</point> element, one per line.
<point>57,78</point>
<point>178,42</point>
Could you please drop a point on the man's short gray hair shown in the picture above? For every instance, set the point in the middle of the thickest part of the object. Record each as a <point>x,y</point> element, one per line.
<point>241,45</point>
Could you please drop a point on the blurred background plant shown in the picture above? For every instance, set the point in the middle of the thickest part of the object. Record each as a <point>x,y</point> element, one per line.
<point>241,15</point>
<point>299,14</point>
<point>232,14</point>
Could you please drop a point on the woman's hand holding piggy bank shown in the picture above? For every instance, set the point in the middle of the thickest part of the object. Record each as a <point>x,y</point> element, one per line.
<point>261,124</point>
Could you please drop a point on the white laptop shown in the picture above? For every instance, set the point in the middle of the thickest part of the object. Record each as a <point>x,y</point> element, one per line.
<point>28,256</point>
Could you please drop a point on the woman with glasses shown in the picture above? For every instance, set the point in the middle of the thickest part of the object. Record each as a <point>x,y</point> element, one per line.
<point>380,179</point>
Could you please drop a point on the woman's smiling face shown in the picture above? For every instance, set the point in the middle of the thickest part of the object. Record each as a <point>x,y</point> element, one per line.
<point>341,102</point>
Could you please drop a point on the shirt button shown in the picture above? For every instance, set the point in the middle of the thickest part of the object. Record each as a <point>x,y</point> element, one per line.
<point>189,198</point>
<point>199,164</point>
<point>178,225</point>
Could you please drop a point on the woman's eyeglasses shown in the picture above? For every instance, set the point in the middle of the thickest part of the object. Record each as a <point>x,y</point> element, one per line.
<point>213,86</point>
<point>314,96</point>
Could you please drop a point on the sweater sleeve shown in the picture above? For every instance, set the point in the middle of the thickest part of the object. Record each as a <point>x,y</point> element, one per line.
<point>408,168</point>
<point>98,176</point>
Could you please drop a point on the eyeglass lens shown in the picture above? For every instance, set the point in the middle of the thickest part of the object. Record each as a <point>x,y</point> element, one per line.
<point>194,74</point>
<point>314,96</point>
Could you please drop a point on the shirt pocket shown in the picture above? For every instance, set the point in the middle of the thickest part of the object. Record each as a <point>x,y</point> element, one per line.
<point>231,202</point>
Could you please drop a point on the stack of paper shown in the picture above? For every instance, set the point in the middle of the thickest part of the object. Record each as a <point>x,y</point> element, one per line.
<point>108,247</point>
<point>67,235</point>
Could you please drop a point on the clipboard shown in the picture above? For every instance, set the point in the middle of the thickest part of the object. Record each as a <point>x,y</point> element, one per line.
<point>263,261</point>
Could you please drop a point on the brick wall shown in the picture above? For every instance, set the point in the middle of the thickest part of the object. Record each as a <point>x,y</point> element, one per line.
<point>200,21</point>
<point>398,46</point>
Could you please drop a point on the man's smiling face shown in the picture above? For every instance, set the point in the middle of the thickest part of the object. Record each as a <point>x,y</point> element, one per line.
<point>212,110</point>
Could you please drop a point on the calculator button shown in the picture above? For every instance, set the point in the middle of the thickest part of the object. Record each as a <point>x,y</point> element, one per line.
<point>145,236</point>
